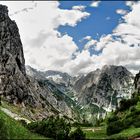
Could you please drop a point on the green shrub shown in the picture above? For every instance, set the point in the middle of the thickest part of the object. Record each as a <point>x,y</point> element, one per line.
<point>127,122</point>
<point>83,124</point>
<point>136,121</point>
<point>78,134</point>
<point>115,127</point>
<point>56,128</point>
<point>112,119</point>
<point>23,122</point>
<point>133,108</point>
<point>134,113</point>
<point>127,103</point>
<point>125,116</point>
<point>3,129</point>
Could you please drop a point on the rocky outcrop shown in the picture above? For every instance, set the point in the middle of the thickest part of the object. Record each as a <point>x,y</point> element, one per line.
<point>137,82</point>
<point>12,62</point>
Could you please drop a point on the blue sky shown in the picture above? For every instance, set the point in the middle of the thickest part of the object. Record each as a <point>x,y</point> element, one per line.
<point>97,24</point>
<point>78,36</point>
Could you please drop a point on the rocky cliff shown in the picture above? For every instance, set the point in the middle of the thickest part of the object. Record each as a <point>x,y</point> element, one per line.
<point>18,88</point>
<point>100,91</point>
<point>137,82</point>
<point>12,63</point>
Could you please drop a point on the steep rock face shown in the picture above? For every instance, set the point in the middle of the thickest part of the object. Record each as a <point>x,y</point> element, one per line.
<point>17,87</point>
<point>137,82</point>
<point>12,63</point>
<point>104,88</point>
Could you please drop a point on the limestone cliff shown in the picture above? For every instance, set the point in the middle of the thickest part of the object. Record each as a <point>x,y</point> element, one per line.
<point>15,86</point>
<point>12,62</point>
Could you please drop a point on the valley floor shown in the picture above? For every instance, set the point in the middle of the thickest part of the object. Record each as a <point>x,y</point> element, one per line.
<point>100,133</point>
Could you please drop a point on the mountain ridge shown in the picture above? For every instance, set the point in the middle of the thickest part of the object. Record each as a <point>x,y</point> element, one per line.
<point>111,80</point>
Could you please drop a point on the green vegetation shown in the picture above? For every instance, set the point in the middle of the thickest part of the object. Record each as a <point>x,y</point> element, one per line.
<point>124,123</point>
<point>100,133</point>
<point>129,133</point>
<point>56,128</point>
<point>126,116</point>
<point>77,134</point>
<point>83,124</point>
<point>59,128</point>
<point>15,108</point>
<point>52,127</point>
<point>95,132</point>
<point>11,129</point>
<point>3,129</point>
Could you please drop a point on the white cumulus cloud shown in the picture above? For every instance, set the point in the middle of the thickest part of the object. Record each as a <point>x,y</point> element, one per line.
<point>90,43</point>
<point>79,7</point>
<point>95,3</point>
<point>44,46</point>
<point>121,11</point>
<point>87,38</point>
<point>122,47</point>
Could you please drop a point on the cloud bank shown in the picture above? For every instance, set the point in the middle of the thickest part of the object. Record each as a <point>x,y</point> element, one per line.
<point>46,48</point>
<point>122,47</point>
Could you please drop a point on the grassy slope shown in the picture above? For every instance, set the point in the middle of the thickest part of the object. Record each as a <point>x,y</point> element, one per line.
<point>16,130</point>
<point>129,133</point>
<point>100,133</point>
<point>14,108</point>
<point>95,133</point>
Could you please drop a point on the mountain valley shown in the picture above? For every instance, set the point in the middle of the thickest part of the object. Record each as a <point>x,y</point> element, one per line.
<point>110,94</point>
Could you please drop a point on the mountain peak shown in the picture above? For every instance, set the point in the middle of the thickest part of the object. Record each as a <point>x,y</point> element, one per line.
<point>3,9</point>
<point>105,87</point>
<point>3,12</point>
<point>11,50</point>
<point>116,70</point>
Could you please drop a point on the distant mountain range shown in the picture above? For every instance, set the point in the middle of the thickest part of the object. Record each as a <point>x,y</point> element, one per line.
<point>96,93</point>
